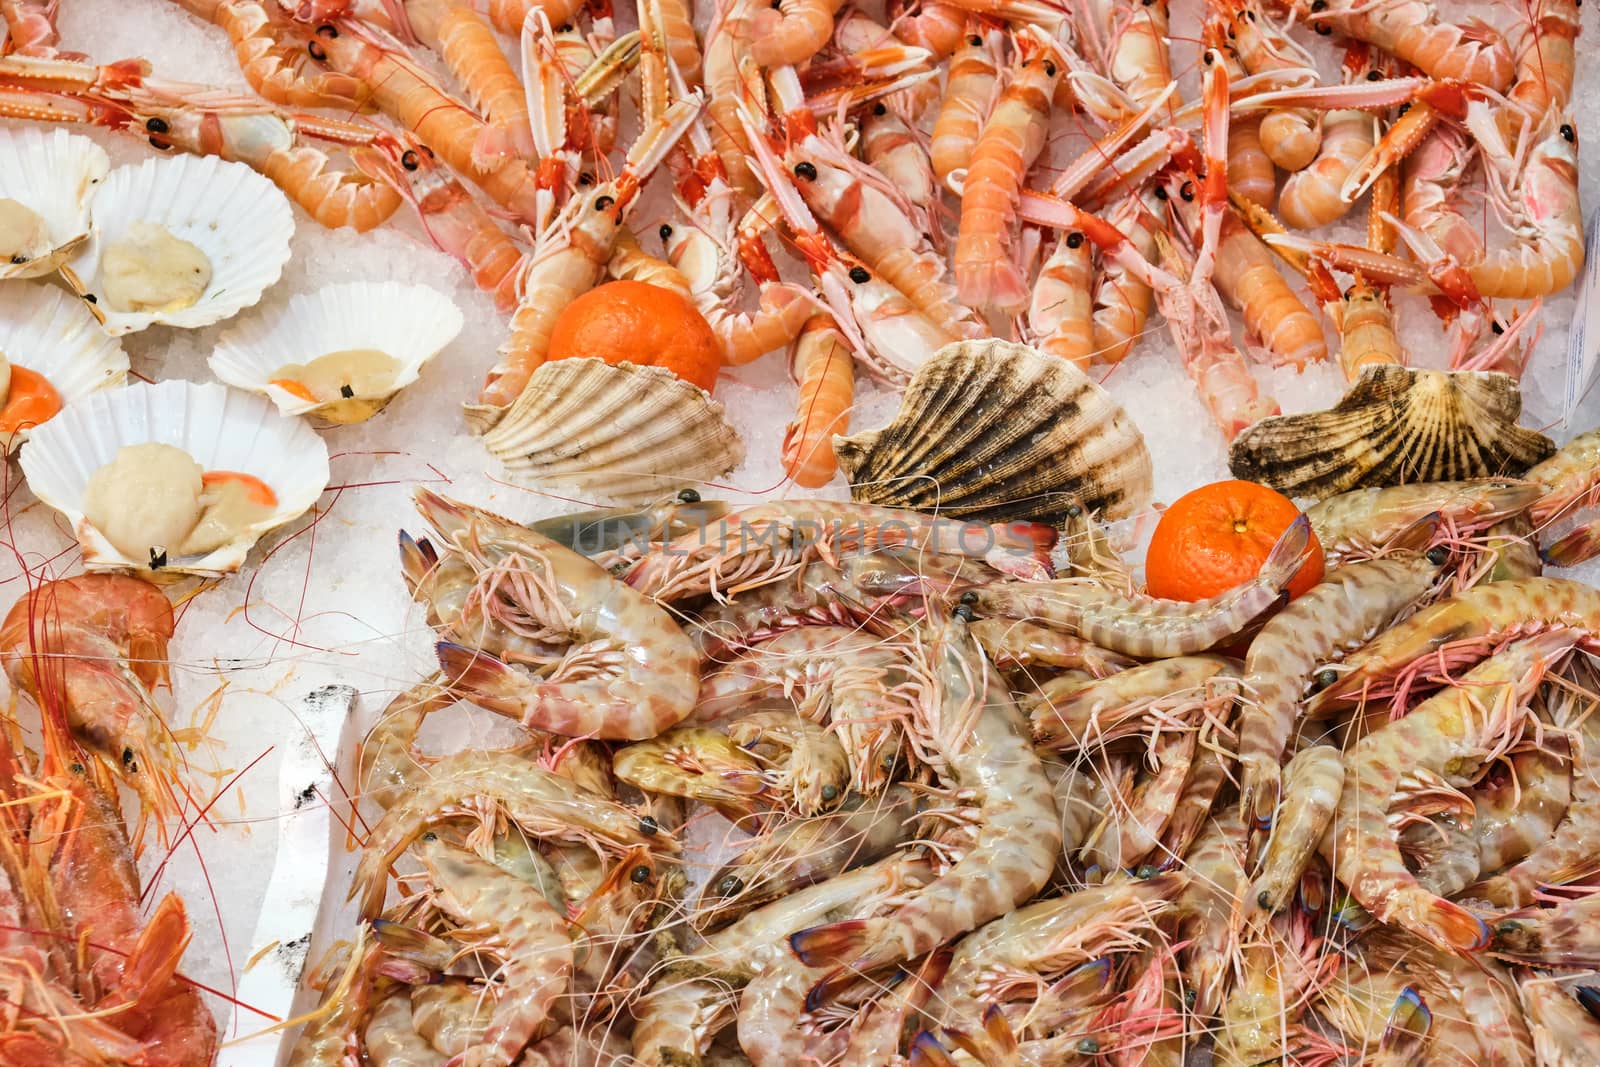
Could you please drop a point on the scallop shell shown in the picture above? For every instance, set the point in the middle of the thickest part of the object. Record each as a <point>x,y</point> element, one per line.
<point>1395,426</point>
<point>626,433</point>
<point>235,216</point>
<point>55,173</point>
<point>48,330</point>
<point>410,323</point>
<point>1000,431</point>
<point>222,428</point>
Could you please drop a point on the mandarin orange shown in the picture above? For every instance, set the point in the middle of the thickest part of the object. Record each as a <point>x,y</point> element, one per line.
<point>635,322</point>
<point>1217,537</point>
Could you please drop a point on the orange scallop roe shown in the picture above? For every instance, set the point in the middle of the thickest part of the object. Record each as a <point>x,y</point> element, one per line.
<point>31,402</point>
<point>258,491</point>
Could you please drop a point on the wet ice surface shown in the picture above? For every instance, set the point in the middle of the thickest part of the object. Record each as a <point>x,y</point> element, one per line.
<point>322,601</point>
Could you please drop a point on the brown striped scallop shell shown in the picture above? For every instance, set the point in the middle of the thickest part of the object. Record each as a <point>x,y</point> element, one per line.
<point>1395,426</point>
<point>999,431</point>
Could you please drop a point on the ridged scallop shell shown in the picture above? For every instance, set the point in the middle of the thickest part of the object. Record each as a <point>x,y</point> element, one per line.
<point>409,323</point>
<point>1395,426</point>
<point>1000,431</point>
<point>48,330</point>
<point>235,216</point>
<point>55,173</point>
<point>626,433</point>
<point>222,428</point>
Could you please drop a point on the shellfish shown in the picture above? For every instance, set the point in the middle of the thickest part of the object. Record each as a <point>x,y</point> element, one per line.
<point>624,433</point>
<point>56,353</point>
<point>1396,425</point>
<point>158,223</point>
<point>195,474</point>
<point>342,352</point>
<point>47,180</point>
<point>999,431</point>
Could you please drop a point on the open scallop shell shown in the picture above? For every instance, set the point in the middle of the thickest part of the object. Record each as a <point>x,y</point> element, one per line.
<point>48,330</point>
<point>1394,426</point>
<point>625,434</point>
<point>409,323</point>
<point>54,173</point>
<point>999,431</point>
<point>222,428</point>
<point>235,216</point>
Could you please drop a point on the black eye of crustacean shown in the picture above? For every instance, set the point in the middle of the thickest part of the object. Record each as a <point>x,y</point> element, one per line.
<point>156,125</point>
<point>409,160</point>
<point>640,874</point>
<point>860,275</point>
<point>604,203</point>
<point>730,885</point>
<point>808,171</point>
<point>1568,134</point>
<point>665,231</point>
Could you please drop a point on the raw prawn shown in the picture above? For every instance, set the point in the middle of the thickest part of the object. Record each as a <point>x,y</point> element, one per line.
<point>631,672</point>
<point>91,649</point>
<point>1454,733</point>
<point>1144,626</point>
<point>980,737</point>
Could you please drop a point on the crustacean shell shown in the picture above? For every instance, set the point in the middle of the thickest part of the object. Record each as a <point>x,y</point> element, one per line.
<point>623,433</point>
<point>235,216</point>
<point>1000,431</point>
<point>409,323</point>
<point>53,173</point>
<point>1394,426</point>
<point>221,428</point>
<point>48,330</point>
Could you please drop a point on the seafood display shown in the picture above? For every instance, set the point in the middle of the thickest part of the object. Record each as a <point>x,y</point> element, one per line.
<point>820,632</point>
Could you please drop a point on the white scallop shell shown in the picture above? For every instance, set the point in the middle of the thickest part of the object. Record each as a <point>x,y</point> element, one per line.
<point>409,323</point>
<point>222,428</point>
<point>625,434</point>
<point>235,216</point>
<point>55,173</point>
<point>49,331</point>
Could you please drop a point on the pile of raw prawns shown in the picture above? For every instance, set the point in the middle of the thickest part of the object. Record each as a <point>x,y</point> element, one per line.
<point>1018,167</point>
<point>978,813</point>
